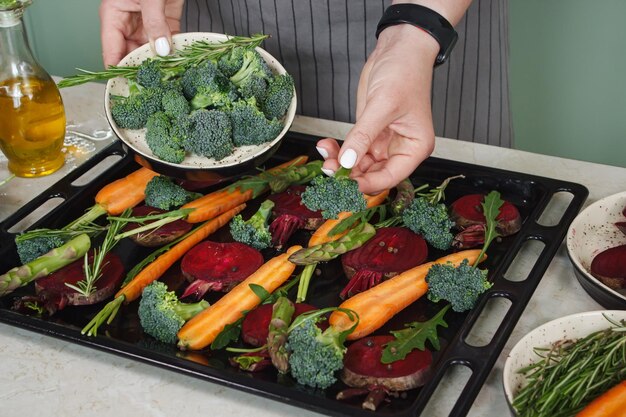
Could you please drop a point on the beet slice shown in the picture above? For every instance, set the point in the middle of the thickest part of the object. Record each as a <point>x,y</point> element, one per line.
<point>467,211</point>
<point>218,266</point>
<point>157,237</point>
<point>55,295</point>
<point>290,215</point>
<point>621,226</point>
<point>362,366</point>
<point>609,266</point>
<point>391,251</point>
<point>254,328</point>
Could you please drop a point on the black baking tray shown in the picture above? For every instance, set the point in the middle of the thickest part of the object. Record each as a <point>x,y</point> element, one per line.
<point>531,194</point>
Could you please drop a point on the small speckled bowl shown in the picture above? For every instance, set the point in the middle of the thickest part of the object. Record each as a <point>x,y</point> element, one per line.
<point>568,327</point>
<point>592,232</point>
<point>193,167</point>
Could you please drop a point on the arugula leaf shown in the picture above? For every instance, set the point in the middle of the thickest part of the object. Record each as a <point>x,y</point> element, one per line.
<point>414,336</point>
<point>491,209</point>
<point>260,291</point>
<point>230,333</point>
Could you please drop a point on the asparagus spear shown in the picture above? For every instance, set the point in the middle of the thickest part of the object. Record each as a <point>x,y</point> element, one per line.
<point>54,260</point>
<point>355,238</point>
<point>282,312</point>
<point>279,181</point>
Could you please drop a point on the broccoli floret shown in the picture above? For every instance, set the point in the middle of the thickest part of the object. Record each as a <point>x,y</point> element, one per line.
<point>161,192</point>
<point>174,103</point>
<point>210,96</point>
<point>210,134</point>
<point>278,96</point>
<point>254,231</point>
<point>205,75</point>
<point>231,62</point>
<point>162,315</point>
<point>254,86</point>
<point>461,286</point>
<point>335,194</point>
<point>132,112</point>
<point>30,249</point>
<point>250,126</point>
<point>149,73</point>
<point>431,221</point>
<point>160,140</point>
<point>315,356</point>
<point>253,66</point>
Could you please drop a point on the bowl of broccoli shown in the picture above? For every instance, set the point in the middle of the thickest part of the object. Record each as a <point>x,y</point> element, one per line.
<point>217,107</point>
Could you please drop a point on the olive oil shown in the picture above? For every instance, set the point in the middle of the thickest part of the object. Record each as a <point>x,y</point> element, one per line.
<point>32,125</point>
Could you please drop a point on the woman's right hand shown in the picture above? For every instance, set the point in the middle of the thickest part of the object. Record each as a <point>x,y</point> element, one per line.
<point>127,24</point>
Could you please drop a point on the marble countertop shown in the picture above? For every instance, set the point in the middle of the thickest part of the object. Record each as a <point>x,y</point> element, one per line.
<point>41,375</point>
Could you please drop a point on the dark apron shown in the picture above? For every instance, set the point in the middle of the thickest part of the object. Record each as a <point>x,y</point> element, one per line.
<point>470,92</point>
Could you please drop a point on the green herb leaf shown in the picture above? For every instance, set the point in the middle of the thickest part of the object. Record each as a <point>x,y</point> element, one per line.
<point>491,209</point>
<point>260,291</point>
<point>414,337</point>
<point>246,362</point>
<point>229,334</point>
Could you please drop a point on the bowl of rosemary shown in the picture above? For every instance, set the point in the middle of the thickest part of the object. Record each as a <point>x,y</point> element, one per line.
<point>560,367</point>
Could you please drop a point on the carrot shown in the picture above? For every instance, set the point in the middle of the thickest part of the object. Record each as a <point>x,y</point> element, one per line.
<point>126,192</point>
<point>320,236</point>
<point>610,404</point>
<point>202,329</point>
<point>211,205</point>
<point>380,303</point>
<point>153,271</point>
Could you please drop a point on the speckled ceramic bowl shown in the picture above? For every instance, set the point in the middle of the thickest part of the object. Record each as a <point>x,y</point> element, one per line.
<point>592,232</point>
<point>193,167</point>
<point>568,327</point>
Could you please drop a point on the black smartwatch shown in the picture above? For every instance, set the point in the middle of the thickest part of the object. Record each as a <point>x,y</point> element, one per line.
<point>424,18</point>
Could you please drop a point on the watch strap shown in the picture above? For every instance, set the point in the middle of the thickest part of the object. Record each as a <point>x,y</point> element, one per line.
<point>424,18</point>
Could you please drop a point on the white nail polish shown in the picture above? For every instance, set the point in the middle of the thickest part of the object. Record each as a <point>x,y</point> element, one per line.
<point>162,46</point>
<point>322,152</point>
<point>328,172</point>
<point>348,159</point>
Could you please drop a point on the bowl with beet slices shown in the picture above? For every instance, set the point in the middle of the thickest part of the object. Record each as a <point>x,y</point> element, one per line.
<point>596,245</point>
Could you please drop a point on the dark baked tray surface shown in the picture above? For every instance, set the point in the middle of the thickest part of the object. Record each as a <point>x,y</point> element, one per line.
<point>531,194</point>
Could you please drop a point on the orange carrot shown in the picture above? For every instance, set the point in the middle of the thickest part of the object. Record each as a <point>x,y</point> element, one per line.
<point>320,236</point>
<point>211,205</point>
<point>126,192</point>
<point>201,330</point>
<point>157,268</point>
<point>610,404</point>
<point>380,303</point>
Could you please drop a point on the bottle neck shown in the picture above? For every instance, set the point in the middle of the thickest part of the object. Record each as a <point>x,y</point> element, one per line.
<point>16,58</point>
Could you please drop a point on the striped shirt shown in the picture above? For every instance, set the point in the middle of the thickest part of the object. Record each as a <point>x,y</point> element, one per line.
<point>325,43</point>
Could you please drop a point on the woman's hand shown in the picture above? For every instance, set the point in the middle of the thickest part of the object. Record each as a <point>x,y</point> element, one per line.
<point>394,131</point>
<point>128,24</point>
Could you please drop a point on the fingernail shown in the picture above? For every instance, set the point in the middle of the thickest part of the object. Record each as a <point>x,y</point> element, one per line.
<point>348,159</point>
<point>322,152</point>
<point>162,46</point>
<point>328,172</point>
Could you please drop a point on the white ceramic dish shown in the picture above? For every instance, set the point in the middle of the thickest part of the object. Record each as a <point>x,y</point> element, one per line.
<point>592,232</point>
<point>135,139</point>
<point>574,326</point>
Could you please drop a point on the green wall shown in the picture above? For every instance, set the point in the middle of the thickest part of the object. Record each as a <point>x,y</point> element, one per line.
<point>568,78</point>
<point>568,69</point>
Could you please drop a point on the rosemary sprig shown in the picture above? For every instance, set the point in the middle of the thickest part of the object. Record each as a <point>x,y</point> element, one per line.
<point>572,373</point>
<point>189,55</point>
<point>93,271</point>
<point>437,194</point>
<point>91,229</point>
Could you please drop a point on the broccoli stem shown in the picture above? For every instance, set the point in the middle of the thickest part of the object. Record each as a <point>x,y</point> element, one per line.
<point>342,173</point>
<point>90,215</point>
<point>282,313</point>
<point>161,220</point>
<point>259,219</point>
<point>45,264</point>
<point>355,238</point>
<point>304,282</point>
<point>187,310</point>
